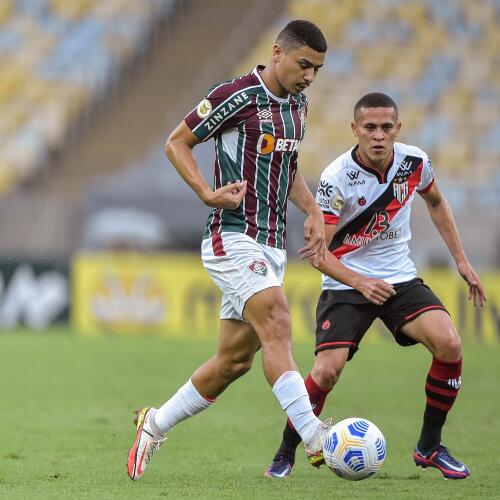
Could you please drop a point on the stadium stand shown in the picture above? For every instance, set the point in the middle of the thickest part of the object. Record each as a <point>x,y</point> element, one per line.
<point>438,59</point>
<point>63,63</point>
<point>57,58</point>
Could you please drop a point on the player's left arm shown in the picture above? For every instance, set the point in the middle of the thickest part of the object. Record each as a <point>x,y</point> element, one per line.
<point>442,217</point>
<point>314,227</point>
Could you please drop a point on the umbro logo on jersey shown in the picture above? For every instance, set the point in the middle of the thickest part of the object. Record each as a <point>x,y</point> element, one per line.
<point>258,267</point>
<point>265,116</point>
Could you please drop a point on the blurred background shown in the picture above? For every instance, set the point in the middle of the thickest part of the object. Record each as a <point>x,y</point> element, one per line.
<point>99,230</point>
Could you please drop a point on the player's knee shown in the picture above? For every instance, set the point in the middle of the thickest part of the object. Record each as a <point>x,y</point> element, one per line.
<point>276,326</point>
<point>326,376</point>
<point>455,346</point>
<point>449,347</point>
<point>234,368</point>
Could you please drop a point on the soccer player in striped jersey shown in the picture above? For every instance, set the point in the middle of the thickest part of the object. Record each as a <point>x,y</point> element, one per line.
<point>366,197</point>
<point>257,122</point>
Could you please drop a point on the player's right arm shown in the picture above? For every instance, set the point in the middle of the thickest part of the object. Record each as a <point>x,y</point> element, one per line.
<point>179,150</point>
<point>375,290</point>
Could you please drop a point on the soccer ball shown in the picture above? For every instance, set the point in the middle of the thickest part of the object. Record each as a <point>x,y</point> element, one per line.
<point>354,449</point>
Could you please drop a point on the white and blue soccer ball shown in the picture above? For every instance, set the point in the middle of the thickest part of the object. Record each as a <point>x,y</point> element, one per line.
<point>354,449</point>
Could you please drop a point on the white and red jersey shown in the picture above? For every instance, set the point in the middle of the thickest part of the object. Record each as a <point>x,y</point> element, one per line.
<point>372,212</point>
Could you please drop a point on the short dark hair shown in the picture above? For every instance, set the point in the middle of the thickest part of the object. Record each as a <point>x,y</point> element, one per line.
<point>298,33</point>
<point>375,100</point>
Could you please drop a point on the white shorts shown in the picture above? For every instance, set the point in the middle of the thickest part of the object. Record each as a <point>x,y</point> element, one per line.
<point>241,267</point>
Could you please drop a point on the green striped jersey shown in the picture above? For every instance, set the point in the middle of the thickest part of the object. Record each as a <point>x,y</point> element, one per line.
<point>257,138</point>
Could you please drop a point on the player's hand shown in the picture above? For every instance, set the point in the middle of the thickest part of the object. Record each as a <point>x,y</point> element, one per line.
<point>314,235</point>
<point>228,196</point>
<point>476,290</point>
<point>375,290</point>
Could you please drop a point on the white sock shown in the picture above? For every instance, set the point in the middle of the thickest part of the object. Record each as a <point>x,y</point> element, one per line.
<point>185,403</point>
<point>291,392</point>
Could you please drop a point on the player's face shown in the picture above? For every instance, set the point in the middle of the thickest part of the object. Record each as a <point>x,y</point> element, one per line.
<point>296,69</point>
<point>376,130</point>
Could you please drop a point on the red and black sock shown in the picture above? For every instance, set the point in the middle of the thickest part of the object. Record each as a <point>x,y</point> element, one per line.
<point>317,396</point>
<point>441,388</point>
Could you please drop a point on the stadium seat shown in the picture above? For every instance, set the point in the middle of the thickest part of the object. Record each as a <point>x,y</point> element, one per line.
<point>56,58</point>
<point>439,60</point>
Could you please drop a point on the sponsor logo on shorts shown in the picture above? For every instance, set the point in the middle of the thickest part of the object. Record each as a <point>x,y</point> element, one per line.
<point>258,267</point>
<point>326,325</point>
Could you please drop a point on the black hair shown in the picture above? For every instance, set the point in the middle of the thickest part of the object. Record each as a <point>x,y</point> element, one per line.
<point>298,33</point>
<point>375,100</point>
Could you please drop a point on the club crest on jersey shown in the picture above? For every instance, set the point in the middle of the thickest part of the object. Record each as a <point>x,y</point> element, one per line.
<point>258,267</point>
<point>267,143</point>
<point>362,201</point>
<point>400,191</point>
<point>204,108</point>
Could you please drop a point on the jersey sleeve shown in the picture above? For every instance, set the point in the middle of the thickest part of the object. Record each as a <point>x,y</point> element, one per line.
<point>330,197</point>
<point>427,177</point>
<point>218,110</point>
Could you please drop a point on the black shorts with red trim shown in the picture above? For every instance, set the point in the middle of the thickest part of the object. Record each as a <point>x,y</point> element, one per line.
<point>344,316</point>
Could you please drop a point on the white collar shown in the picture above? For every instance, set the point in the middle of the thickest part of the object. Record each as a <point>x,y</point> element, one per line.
<point>268,92</point>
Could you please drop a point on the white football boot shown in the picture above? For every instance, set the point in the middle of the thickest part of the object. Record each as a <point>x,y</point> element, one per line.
<point>314,452</point>
<point>145,445</point>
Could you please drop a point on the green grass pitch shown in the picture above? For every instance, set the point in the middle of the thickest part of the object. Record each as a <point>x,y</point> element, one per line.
<point>66,422</point>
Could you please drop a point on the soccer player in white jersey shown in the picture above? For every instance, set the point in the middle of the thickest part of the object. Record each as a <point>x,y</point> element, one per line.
<point>366,195</point>
<point>257,122</point>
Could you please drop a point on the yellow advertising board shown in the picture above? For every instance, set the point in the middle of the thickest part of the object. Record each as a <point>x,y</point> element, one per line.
<point>172,295</point>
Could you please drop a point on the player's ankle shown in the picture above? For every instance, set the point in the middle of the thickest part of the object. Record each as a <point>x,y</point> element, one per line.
<point>154,426</point>
<point>308,432</point>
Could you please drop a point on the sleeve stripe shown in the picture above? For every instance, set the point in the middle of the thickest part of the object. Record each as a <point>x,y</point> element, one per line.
<point>331,219</point>
<point>222,104</point>
<point>427,188</point>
